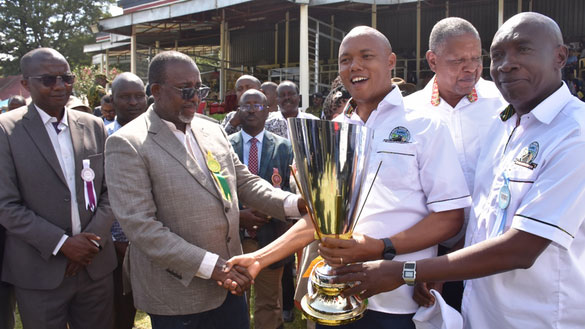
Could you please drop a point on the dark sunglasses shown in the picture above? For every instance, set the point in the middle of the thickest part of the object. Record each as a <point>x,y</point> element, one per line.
<point>250,107</point>
<point>189,93</point>
<point>51,80</point>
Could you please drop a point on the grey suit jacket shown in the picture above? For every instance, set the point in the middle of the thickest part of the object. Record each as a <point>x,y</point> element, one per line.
<point>173,212</point>
<point>35,200</point>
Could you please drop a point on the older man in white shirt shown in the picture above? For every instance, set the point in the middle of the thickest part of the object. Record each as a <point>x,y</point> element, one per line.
<point>465,102</point>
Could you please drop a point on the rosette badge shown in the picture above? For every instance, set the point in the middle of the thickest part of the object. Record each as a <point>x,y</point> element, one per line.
<point>331,160</point>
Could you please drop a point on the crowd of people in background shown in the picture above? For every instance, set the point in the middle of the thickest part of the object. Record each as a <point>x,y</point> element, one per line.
<point>135,201</point>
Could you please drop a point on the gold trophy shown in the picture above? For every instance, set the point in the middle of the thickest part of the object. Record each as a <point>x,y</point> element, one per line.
<point>331,159</point>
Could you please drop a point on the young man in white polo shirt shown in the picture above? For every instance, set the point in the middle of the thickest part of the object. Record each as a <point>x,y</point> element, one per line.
<point>526,236</point>
<point>465,102</point>
<point>416,199</point>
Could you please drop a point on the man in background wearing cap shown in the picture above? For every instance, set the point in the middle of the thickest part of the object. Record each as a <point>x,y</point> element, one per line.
<point>97,91</point>
<point>317,107</point>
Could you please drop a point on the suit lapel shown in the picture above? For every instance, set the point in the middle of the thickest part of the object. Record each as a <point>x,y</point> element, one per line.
<point>266,157</point>
<point>37,132</point>
<point>200,136</point>
<point>239,146</point>
<point>165,138</point>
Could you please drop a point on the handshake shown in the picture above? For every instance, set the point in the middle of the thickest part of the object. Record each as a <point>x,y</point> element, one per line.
<point>236,278</point>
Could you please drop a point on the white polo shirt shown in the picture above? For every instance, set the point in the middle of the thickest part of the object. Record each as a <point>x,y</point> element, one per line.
<point>543,161</point>
<point>468,123</point>
<point>419,174</point>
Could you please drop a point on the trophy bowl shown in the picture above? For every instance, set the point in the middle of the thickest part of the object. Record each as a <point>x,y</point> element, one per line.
<point>331,160</point>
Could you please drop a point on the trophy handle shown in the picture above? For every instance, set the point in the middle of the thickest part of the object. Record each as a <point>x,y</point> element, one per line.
<point>292,171</point>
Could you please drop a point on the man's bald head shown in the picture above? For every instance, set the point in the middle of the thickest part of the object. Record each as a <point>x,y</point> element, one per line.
<point>30,61</point>
<point>246,82</point>
<point>253,93</point>
<point>527,56</point>
<point>362,30</point>
<point>249,77</point>
<point>537,22</point>
<point>365,62</point>
<point>123,79</point>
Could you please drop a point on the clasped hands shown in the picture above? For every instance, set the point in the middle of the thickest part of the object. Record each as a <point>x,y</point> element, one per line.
<point>237,275</point>
<point>80,251</point>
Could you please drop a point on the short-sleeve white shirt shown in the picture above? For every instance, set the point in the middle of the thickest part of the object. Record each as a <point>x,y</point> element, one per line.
<point>417,176</point>
<point>468,123</point>
<point>543,160</point>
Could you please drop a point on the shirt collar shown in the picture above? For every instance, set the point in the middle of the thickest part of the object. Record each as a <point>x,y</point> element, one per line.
<point>174,128</point>
<point>46,118</point>
<point>436,99</point>
<point>548,109</point>
<point>394,97</point>
<point>246,137</point>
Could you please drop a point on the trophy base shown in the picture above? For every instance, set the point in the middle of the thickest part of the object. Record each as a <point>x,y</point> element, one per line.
<point>329,319</point>
<point>323,302</point>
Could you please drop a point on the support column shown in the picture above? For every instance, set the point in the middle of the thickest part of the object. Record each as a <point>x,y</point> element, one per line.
<point>304,55</point>
<point>276,43</point>
<point>332,35</point>
<point>500,12</point>
<point>316,63</point>
<point>227,42</point>
<point>101,63</point>
<point>519,6</point>
<point>133,50</point>
<point>418,17</point>
<point>286,38</point>
<point>221,56</point>
<point>529,5</point>
<point>374,15</point>
<point>107,64</point>
<point>157,47</point>
<point>447,8</point>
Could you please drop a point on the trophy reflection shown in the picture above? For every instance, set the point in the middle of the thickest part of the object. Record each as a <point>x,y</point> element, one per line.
<point>331,159</point>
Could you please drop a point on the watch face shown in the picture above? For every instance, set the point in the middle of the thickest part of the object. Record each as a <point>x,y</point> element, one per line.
<point>409,266</point>
<point>408,275</point>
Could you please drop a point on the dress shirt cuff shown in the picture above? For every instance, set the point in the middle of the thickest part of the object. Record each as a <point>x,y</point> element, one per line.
<point>60,244</point>
<point>207,265</point>
<point>291,208</point>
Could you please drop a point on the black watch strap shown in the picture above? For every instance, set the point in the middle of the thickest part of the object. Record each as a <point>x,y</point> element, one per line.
<point>389,252</point>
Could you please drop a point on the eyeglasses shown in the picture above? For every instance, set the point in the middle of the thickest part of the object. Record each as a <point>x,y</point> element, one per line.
<point>188,93</point>
<point>250,107</point>
<point>51,80</point>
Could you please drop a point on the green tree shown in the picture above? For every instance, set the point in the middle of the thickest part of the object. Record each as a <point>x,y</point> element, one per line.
<point>60,24</point>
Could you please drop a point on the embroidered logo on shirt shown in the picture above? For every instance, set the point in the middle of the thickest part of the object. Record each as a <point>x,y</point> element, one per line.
<point>436,99</point>
<point>527,156</point>
<point>398,135</point>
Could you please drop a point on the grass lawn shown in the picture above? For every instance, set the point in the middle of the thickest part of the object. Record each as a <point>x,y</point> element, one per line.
<point>142,321</point>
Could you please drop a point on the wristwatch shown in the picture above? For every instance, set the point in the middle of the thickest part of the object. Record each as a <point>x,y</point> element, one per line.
<point>409,273</point>
<point>389,252</point>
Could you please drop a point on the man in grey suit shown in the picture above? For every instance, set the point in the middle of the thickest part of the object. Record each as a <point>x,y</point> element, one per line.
<point>175,184</point>
<point>268,156</point>
<point>54,203</point>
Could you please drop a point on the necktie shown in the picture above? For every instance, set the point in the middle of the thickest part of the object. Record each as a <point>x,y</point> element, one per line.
<point>56,126</point>
<point>253,157</point>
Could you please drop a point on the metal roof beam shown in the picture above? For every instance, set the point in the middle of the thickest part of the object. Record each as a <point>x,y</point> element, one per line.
<point>166,12</point>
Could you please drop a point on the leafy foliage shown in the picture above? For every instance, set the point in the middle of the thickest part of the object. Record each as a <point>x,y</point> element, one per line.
<point>85,77</point>
<point>60,24</point>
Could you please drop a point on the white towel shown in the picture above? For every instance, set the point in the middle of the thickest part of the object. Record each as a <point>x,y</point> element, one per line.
<point>438,316</point>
